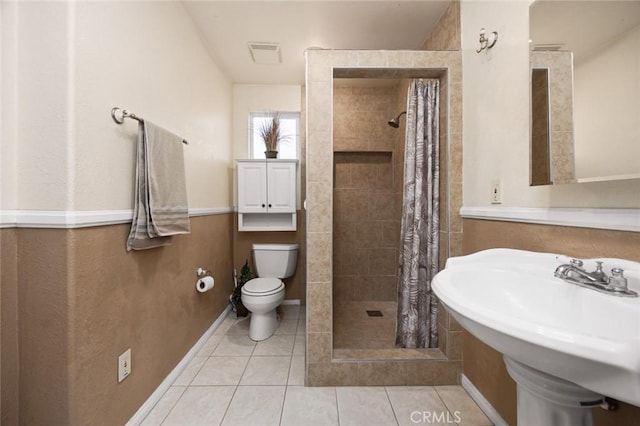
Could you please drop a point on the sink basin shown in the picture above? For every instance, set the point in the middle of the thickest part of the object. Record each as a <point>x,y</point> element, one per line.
<point>511,300</point>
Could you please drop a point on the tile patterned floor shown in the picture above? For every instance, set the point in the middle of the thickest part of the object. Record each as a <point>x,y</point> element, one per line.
<point>235,381</point>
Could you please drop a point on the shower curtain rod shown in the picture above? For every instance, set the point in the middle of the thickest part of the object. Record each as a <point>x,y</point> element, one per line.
<point>126,114</point>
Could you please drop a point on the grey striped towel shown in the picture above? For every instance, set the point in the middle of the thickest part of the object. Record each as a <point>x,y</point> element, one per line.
<point>160,203</point>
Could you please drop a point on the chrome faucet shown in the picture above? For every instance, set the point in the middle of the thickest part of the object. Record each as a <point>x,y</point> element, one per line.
<point>574,273</point>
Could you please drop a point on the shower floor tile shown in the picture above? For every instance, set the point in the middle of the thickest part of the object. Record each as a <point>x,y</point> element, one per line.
<point>354,328</point>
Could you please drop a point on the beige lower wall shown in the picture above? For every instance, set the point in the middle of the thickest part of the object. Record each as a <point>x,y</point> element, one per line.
<point>483,365</point>
<point>45,330</point>
<point>82,300</point>
<point>9,327</point>
<point>294,286</point>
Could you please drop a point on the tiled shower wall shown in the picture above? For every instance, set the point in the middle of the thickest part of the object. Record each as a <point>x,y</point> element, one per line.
<point>446,36</point>
<point>365,241</point>
<point>368,188</point>
<point>365,219</point>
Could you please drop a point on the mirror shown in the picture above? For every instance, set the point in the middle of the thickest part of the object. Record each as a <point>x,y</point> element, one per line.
<point>585,91</point>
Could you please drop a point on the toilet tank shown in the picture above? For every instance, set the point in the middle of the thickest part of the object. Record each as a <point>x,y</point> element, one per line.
<point>275,260</point>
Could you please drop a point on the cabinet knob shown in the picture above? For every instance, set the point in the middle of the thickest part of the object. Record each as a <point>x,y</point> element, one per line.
<point>269,205</point>
<point>263,205</point>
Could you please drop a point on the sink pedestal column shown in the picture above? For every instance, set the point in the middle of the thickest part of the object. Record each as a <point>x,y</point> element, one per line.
<point>547,400</point>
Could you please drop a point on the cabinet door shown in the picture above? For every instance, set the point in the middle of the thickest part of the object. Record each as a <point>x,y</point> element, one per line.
<point>281,187</point>
<point>252,187</point>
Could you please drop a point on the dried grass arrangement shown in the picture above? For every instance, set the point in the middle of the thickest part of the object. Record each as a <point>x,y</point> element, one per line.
<point>271,134</point>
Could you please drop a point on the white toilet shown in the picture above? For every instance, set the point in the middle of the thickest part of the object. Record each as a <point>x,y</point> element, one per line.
<point>261,296</point>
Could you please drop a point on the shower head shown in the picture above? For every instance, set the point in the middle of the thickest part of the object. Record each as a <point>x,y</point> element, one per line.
<point>395,122</point>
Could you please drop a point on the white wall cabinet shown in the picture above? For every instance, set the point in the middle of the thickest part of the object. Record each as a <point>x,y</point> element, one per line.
<point>267,195</point>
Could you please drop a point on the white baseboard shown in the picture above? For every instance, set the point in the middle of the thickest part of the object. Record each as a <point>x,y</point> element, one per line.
<point>148,405</point>
<point>482,402</point>
<point>291,302</point>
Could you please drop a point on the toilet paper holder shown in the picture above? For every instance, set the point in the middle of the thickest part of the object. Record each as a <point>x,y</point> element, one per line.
<point>201,272</point>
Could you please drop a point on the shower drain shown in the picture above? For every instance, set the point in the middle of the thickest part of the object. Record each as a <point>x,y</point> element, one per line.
<point>374,313</point>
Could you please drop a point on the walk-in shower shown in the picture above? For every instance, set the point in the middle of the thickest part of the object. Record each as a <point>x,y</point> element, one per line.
<point>367,210</point>
<point>353,253</point>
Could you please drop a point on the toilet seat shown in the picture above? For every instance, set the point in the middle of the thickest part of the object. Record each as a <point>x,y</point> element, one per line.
<point>262,287</point>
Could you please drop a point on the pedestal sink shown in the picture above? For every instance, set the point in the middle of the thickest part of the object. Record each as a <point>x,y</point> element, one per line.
<point>565,346</point>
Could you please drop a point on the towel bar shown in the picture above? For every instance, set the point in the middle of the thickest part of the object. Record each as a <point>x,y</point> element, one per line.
<point>115,111</point>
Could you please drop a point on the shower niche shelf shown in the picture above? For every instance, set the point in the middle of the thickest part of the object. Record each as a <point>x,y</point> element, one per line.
<point>371,171</point>
<point>363,152</point>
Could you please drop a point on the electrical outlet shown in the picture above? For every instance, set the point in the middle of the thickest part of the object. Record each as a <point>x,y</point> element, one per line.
<point>124,365</point>
<point>496,192</point>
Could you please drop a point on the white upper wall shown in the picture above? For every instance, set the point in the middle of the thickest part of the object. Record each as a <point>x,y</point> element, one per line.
<point>147,57</point>
<point>249,98</point>
<point>613,149</point>
<point>495,102</point>
<point>8,105</point>
<point>496,118</point>
<point>76,61</point>
<point>42,123</point>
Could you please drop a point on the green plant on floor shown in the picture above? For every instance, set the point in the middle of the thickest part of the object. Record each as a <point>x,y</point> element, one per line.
<point>236,296</point>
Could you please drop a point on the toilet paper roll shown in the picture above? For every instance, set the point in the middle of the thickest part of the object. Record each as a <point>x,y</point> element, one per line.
<point>205,284</point>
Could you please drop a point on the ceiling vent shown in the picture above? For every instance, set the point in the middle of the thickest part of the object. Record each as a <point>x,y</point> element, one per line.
<point>265,53</point>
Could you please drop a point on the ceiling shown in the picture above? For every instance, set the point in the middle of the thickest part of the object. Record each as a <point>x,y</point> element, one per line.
<point>227,27</point>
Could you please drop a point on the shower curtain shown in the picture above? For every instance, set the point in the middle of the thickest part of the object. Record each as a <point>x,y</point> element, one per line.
<point>417,325</point>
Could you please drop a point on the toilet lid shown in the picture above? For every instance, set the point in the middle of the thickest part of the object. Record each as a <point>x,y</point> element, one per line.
<point>263,286</point>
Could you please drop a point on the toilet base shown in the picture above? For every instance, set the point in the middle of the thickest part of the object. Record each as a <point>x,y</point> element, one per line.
<point>263,325</point>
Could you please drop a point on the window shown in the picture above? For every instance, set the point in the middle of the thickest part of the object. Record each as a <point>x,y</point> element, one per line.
<point>290,126</point>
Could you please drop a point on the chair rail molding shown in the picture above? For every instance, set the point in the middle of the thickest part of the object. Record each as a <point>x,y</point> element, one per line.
<point>65,219</point>
<point>613,219</point>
